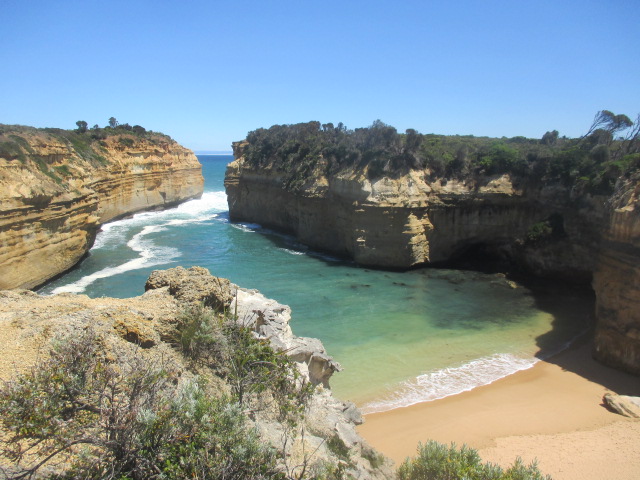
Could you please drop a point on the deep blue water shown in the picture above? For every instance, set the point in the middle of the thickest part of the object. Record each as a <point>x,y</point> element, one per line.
<point>402,337</point>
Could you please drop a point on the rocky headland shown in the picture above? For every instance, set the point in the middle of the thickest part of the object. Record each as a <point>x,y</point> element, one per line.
<point>146,326</point>
<point>58,186</point>
<point>399,201</point>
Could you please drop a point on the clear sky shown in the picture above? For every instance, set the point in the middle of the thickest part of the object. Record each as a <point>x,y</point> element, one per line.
<point>207,72</point>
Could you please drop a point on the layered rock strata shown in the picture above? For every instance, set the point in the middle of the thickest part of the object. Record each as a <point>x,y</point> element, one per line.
<point>617,281</point>
<point>414,219</point>
<point>28,322</point>
<point>55,194</point>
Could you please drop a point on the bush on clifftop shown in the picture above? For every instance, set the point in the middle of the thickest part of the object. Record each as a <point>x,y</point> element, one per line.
<point>123,416</point>
<point>104,410</point>
<point>592,163</point>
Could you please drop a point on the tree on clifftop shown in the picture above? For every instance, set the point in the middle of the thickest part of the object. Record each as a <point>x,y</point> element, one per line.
<point>82,126</point>
<point>113,123</point>
<point>550,138</point>
<point>609,122</point>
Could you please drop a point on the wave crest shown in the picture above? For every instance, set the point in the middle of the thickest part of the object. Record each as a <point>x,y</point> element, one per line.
<point>451,381</point>
<point>113,234</point>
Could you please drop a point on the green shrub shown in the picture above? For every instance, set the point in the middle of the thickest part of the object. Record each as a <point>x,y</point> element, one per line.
<point>198,333</point>
<point>22,142</point>
<point>11,149</point>
<point>255,372</point>
<point>539,232</point>
<point>500,158</point>
<point>126,141</point>
<point>436,461</point>
<point>338,448</point>
<point>123,417</point>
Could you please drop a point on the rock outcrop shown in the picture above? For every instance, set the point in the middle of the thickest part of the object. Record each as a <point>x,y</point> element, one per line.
<point>57,187</point>
<point>413,218</point>
<point>29,322</point>
<point>623,404</point>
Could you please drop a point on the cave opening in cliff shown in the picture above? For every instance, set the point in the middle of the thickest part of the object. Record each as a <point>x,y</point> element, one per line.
<point>571,300</point>
<point>482,257</point>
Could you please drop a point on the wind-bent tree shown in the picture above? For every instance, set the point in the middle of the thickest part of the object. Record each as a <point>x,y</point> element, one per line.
<point>609,122</point>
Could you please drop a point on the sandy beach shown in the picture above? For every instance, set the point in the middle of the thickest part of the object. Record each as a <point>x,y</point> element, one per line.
<point>552,412</point>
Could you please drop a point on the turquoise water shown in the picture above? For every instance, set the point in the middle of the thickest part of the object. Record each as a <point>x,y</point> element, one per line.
<point>402,338</point>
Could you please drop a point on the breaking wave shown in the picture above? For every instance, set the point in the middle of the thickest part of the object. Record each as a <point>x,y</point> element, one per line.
<point>114,234</point>
<point>451,381</point>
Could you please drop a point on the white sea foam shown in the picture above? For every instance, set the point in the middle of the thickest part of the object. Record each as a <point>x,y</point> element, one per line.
<point>209,201</point>
<point>292,252</point>
<point>247,227</point>
<point>451,381</point>
<point>149,256</point>
<point>209,206</point>
<point>114,233</point>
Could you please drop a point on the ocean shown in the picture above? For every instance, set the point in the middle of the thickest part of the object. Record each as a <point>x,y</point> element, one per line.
<point>401,337</point>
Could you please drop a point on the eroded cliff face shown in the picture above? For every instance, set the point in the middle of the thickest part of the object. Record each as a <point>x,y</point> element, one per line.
<point>54,194</point>
<point>617,282</point>
<point>413,219</point>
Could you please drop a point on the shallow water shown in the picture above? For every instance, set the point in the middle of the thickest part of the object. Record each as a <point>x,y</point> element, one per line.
<point>402,337</point>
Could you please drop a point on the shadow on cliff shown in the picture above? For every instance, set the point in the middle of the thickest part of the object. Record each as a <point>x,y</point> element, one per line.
<point>570,307</point>
<point>571,302</point>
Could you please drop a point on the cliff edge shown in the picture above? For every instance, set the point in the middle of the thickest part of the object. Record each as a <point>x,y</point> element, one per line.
<point>148,328</point>
<point>58,186</point>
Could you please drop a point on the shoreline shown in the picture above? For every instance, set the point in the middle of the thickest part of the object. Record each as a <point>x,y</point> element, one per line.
<point>552,411</point>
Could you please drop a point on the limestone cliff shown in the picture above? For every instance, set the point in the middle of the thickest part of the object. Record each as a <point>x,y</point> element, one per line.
<point>617,281</point>
<point>143,327</point>
<point>57,187</point>
<point>412,217</point>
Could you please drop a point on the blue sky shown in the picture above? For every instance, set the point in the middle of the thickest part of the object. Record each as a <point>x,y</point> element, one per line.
<point>207,72</point>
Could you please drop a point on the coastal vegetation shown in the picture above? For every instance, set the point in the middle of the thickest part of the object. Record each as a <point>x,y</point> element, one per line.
<point>89,144</point>
<point>436,461</point>
<point>125,415</point>
<point>591,163</point>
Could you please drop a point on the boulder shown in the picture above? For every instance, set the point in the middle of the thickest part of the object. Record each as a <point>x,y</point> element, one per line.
<point>623,404</point>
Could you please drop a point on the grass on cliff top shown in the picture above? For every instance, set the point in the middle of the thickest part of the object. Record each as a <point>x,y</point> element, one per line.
<point>15,143</point>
